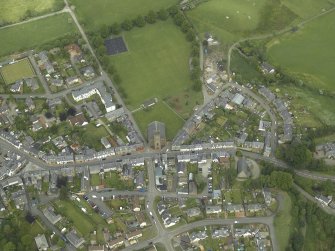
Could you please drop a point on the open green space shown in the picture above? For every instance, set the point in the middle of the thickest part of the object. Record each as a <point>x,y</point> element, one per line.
<point>156,66</point>
<point>19,70</point>
<point>227,20</point>
<point>91,136</point>
<point>93,18</point>
<point>308,53</point>
<point>308,8</point>
<point>245,70</point>
<point>162,113</point>
<point>282,221</point>
<point>19,37</point>
<point>15,10</point>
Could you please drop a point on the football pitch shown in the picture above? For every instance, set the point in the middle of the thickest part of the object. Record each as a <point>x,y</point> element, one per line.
<point>18,70</point>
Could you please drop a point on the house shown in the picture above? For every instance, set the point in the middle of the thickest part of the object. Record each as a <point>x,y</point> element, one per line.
<point>74,51</point>
<point>267,196</point>
<point>266,68</point>
<point>116,243</point>
<point>78,120</point>
<point>220,233</point>
<point>72,80</point>
<point>161,207</point>
<point>198,236</point>
<point>141,219</point>
<point>264,125</point>
<point>30,103</point>
<point>49,213</point>
<point>213,209</point>
<point>156,135</point>
<point>193,212</point>
<point>323,199</point>
<point>243,171</point>
<point>17,87</point>
<point>74,239</point>
<point>31,83</point>
<point>56,82</point>
<point>238,99</point>
<point>105,142</point>
<point>20,199</point>
<point>254,207</point>
<point>44,62</point>
<point>134,235</point>
<point>88,72</point>
<point>269,96</point>
<point>41,242</point>
<point>97,248</point>
<point>136,204</point>
<point>234,208</point>
<point>139,180</point>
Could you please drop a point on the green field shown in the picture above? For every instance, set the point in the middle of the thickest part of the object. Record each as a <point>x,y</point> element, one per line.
<point>227,20</point>
<point>308,8</point>
<point>162,113</point>
<point>308,53</point>
<point>282,222</point>
<point>102,13</point>
<point>15,10</point>
<point>18,70</point>
<point>19,38</point>
<point>156,65</point>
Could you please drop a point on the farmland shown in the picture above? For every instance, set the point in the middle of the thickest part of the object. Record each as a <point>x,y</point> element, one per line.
<point>19,38</point>
<point>308,53</point>
<point>93,18</point>
<point>19,70</point>
<point>15,10</point>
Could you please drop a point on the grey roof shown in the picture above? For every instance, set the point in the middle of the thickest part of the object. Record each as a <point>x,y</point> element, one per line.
<point>242,168</point>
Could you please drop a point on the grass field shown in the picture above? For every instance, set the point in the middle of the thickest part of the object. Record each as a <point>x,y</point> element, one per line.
<point>162,113</point>
<point>19,70</point>
<point>282,222</point>
<point>14,10</point>
<point>156,64</point>
<point>92,135</point>
<point>308,8</point>
<point>19,38</point>
<point>308,53</point>
<point>93,18</point>
<point>228,20</point>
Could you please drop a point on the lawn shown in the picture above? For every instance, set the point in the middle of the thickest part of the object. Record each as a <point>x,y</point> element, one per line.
<point>162,113</point>
<point>308,53</point>
<point>80,220</point>
<point>92,135</point>
<point>93,18</point>
<point>19,70</point>
<point>282,222</point>
<point>227,20</point>
<point>156,65</point>
<point>15,10</point>
<point>19,38</point>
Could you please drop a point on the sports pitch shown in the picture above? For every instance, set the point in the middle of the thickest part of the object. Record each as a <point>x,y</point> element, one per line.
<point>19,70</point>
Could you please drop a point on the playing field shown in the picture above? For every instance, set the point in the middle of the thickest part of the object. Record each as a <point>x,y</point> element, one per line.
<point>19,70</point>
<point>110,11</point>
<point>19,37</point>
<point>309,53</point>
<point>14,10</point>
<point>227,19</point>
<point>156,66</point>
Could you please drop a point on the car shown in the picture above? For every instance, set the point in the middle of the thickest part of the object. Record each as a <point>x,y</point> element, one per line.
<point>236,222</point>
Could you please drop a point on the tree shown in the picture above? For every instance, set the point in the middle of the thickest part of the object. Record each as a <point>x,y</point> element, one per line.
<point>63,193</point>
<point>162,14</point>
<point>190,36</point>
<point>48,114</point>
<point>151,17</point>
<point>9,246</point>
<point>116,28</point>
<point>179,19</point>
<point>62,116</point>
<point>104,31</point>
<point>281,180</point>
<point>173,10</point>
<point>71,111</point>
<point>185,26</point>
<point>127,25</point>
<point>139,21</point>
